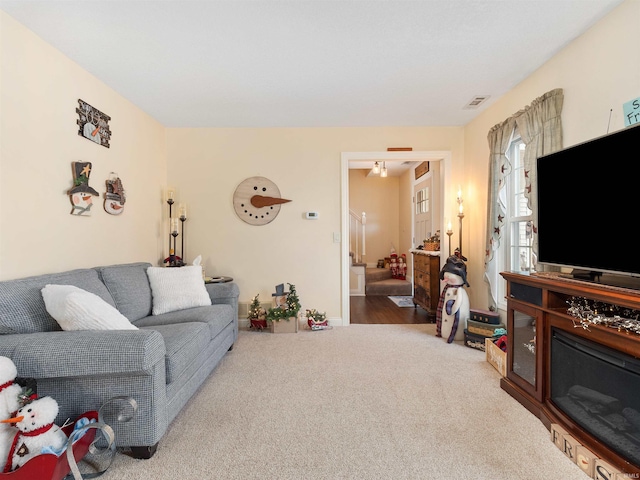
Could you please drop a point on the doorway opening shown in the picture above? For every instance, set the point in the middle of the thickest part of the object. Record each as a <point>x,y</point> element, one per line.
<point>364,159</point>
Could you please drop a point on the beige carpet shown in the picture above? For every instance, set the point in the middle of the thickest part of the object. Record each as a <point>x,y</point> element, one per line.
<point>356,402</point>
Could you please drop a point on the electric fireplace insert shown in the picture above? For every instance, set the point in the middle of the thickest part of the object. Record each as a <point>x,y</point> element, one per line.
<point>599,389</point>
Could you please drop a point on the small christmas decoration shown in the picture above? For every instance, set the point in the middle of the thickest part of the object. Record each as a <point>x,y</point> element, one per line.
<point>289,309</point>
<point>433,242</point>
<point>594,312</point>
<point>317,320</point>
<point>257,315</point>
<point>35,431</point>
<point>280,296</point>
<point>399,267</point>
<point>10,401</point>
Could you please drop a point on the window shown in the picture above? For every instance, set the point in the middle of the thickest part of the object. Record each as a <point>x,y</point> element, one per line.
<point>515,251</point>
<point>422,201</point>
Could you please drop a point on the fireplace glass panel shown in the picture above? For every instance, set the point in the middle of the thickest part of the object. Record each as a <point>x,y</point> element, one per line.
<point>599,389</point>
<point>524,346</point>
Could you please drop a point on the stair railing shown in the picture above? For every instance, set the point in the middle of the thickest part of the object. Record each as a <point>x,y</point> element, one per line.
<point>357,230</point>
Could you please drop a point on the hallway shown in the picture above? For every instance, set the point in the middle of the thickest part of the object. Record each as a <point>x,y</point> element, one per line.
<point>374,309</point>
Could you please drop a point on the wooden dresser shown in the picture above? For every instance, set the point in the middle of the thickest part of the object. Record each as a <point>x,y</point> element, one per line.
<point>426,281</point>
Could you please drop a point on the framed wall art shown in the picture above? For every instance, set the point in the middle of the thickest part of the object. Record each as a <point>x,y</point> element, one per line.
<point>93,124</point>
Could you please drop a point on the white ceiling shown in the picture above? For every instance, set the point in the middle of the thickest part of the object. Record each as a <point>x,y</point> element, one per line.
<point>309,63</point>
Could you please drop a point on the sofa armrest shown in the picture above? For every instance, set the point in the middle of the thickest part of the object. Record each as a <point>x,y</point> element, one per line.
<point>224,293</point>
<point>83,353</point>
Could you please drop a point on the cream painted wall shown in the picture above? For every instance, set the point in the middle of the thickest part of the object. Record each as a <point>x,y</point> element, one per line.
<point>598,72</point>
<point>39,92</point>
<point>380,199</point>
<point>206,165</point>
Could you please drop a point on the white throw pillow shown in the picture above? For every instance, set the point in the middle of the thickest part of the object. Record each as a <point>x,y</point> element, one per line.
<point>177,288</point>
<point>77,309</point>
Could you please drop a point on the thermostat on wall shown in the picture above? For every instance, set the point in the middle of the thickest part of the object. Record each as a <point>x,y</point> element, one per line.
<point>312,215</point>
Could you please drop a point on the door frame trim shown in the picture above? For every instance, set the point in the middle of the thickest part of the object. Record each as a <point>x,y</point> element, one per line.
<point>443,156</point>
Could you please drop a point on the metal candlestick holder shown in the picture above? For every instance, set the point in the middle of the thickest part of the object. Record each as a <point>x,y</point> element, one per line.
<point>183,218</point>
<point>170,202</point>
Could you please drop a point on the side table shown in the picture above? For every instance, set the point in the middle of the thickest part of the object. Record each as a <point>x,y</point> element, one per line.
<point>218,279</point>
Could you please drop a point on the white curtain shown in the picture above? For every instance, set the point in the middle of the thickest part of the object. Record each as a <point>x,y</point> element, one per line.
<point>540,127</point>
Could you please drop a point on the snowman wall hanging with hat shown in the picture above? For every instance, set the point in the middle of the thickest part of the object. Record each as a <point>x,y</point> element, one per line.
<point>81,193</point>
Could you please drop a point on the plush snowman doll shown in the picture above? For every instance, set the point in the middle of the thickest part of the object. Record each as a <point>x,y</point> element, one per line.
<point>453,308</point>
<point>9,403</point>
<point>34,431</point>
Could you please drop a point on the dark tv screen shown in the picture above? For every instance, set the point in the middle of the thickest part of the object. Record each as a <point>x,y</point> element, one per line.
<point>589,205</point>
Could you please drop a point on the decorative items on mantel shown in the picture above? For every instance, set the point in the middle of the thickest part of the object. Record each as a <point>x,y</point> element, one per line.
<point>593,312</point>
<point>173,260</point>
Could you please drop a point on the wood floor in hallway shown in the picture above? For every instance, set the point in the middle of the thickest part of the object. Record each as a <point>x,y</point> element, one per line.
<point>379,309</point>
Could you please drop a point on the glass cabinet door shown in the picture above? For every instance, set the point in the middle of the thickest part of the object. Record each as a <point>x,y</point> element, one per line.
<point>523,324</point>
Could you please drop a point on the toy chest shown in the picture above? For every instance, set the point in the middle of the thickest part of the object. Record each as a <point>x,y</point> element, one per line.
<point>485,316</point>
<point>473,340</point>
<point>50,467</point>
<point>484,329</point>
<point>496,357</point>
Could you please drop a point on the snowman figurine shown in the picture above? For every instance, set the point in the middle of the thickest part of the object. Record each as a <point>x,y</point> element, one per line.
<point>34,431</point>
<point>9,402</point>
<point>453,308</point>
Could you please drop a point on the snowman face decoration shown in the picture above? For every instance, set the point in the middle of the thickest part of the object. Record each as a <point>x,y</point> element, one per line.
<point>114,198</point>
<point>257,201</point>
<point>82,203</point>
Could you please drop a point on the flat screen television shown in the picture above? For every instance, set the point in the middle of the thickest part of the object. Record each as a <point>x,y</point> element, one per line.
<point>589,206</point>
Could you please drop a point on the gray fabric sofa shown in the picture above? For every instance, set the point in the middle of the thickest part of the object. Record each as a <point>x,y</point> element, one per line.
<point>161,365</point>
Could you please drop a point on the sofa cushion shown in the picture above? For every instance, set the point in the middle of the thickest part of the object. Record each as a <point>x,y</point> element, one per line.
<point>217,317</point>
<point>129,286</point>
<point>177,288</point>
<point>77,309</point>
<point>22,308</point>
<point>183,342</point>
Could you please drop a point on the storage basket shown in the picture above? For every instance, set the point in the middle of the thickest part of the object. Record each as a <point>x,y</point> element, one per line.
<point>432,246</point>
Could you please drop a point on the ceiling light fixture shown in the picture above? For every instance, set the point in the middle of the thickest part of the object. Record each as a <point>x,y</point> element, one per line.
<point>376,168</point>
<point>383,172</point>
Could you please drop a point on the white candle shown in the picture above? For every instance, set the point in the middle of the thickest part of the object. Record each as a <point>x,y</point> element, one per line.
<point>183,211</point>
<point>174,225</point>
<point>170,193</point>
<point>449,228</point>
